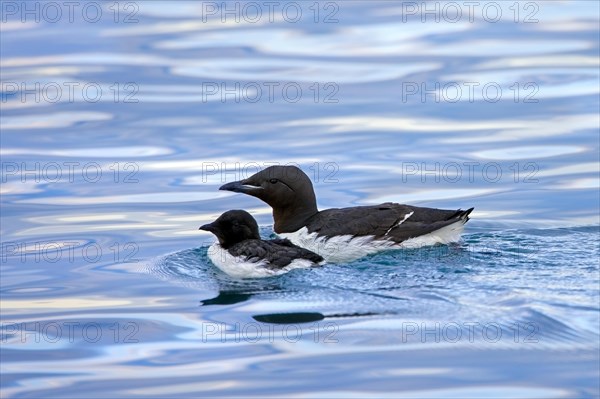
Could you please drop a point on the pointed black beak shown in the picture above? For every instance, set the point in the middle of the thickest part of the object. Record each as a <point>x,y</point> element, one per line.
<point>241,186</point>
<point>207,227</point>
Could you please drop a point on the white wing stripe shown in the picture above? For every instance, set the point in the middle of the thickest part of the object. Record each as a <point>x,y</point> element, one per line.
<point>400,222</point>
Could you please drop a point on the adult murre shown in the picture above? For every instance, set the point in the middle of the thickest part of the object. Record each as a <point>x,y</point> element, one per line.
<point>240,252</point>
<point>345,234</point>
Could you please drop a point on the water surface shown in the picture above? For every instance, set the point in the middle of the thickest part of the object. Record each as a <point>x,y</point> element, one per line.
<point>114,159</point>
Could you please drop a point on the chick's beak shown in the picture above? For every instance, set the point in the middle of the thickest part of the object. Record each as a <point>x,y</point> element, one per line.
<point>207,227</point>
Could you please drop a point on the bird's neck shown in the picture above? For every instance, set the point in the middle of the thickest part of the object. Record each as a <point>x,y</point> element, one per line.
<point>288,220</point>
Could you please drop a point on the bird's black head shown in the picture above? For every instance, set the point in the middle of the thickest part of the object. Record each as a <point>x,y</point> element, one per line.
<point>287,189</point>
<point>233,227</point>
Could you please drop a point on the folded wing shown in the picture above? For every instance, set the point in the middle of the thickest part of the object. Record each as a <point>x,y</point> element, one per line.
<point>277,253</point>
<point>389,220</point>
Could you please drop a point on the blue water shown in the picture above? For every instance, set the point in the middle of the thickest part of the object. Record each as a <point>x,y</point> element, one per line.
<point>114,159</point>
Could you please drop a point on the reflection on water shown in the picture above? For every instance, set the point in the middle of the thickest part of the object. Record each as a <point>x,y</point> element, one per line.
<point>116,137</point>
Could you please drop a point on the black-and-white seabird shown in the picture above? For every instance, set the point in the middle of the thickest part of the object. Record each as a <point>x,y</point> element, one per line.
<point>345,234</point>
<point>240,252</point>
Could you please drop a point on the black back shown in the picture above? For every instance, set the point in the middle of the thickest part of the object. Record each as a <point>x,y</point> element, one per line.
<point>278,253</point>
<point>387,220</point>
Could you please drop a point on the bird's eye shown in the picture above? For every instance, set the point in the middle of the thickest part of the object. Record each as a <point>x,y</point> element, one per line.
<point>273,181</point>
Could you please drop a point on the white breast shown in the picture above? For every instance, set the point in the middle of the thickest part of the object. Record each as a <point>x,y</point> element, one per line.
<point>338,248</point>
<point>240,267</point>
<point>347,248</point>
